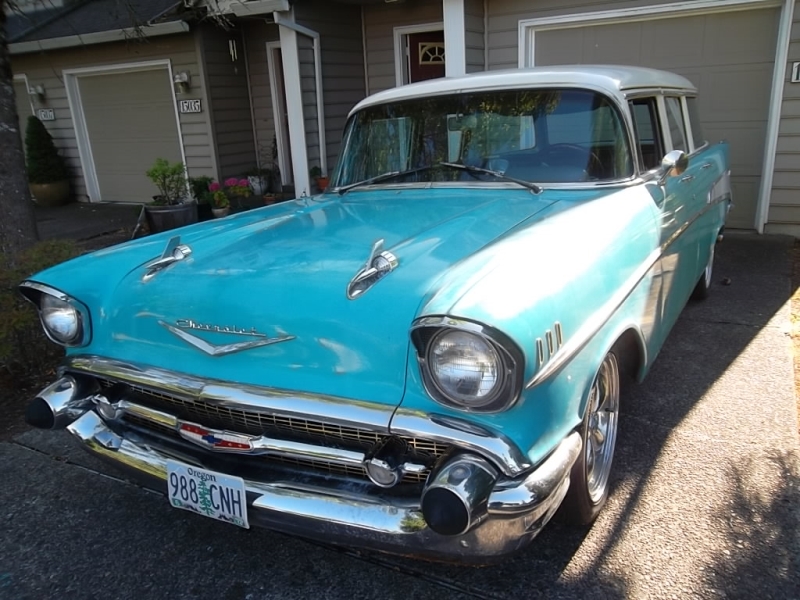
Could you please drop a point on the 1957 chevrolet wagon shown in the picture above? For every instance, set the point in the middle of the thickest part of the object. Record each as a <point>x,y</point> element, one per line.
<point>427,358</point>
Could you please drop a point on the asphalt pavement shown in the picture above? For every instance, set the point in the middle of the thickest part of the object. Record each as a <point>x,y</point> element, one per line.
<point>705,496</point>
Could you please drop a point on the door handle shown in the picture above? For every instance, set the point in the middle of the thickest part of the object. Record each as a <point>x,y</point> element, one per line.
<point>706,166</point>
<point>686,178</point>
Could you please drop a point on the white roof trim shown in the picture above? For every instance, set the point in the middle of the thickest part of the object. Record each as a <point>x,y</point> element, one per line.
<point>610,78</point>
<point>101,37</point>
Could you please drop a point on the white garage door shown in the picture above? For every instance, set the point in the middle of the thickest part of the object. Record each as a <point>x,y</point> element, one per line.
<point>728,56</point>
<point>130,120</point>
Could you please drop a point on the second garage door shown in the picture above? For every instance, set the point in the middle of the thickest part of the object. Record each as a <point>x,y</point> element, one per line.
<point>130,121</point>
<point>728,56</point>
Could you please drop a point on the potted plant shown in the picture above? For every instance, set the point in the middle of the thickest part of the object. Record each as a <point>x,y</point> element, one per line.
<point>170,208</point>
<point>223,195</point>
<point>203,196</point>
<point>48,175</point>
<point>259,180</point>
<point>319,179</point>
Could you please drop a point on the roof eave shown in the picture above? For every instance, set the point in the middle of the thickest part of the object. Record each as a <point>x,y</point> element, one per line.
<point>100,37</point>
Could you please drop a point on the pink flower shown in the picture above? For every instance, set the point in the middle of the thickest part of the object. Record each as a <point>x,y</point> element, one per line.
<point>244,183</point>
<point>213,186</point>
<point>231,182</point>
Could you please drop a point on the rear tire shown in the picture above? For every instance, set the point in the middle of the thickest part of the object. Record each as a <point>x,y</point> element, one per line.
<point>700,291</point>
<point>588,488</point>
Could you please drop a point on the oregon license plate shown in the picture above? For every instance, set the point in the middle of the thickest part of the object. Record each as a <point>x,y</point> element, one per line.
<point>207,493</point>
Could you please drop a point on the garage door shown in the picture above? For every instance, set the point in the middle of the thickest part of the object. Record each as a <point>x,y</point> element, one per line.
<point>23,107</point>
<point>728,56</point>
<point>130,120</point>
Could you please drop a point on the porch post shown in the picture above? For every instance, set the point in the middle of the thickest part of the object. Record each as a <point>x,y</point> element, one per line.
<point>455,43</point>
<point>294,105</point>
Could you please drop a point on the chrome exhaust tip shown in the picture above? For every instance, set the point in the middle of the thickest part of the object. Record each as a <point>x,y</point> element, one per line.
<point>57,405</point>
<point>457,496</point>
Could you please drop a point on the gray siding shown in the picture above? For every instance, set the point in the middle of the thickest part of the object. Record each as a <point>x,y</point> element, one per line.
<point>308,87</point>
<point>784,207</point>
<point>475,40</point>
<point>379,23</point>
<point>342,53</point>
<point>256,36</point>
<point>46,68</point>
<point>504,17</point>
<point>229,102</point>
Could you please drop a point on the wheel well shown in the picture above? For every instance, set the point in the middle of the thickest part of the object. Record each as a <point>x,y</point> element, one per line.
<point>630,352</point>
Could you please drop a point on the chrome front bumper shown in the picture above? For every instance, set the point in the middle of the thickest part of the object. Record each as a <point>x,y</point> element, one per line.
<point>517,509</point>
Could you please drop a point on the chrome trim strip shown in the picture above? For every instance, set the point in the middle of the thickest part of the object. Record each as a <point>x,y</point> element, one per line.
<point>330,409</point>
<point>596,321</point>
<point>222,349</point>
<point>494,446</point>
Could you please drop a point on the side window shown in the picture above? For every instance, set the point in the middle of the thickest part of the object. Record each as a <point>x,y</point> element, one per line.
<point>694,121</point>
<point>677,128</point>
<point>648,132</point>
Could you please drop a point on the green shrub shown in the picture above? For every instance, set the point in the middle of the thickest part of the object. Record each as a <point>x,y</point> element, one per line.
<point>170,179</point>
<point>43,162</point>
<point>24,347</point>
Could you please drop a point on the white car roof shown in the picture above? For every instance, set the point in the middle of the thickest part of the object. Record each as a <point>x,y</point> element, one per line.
<point>612,79</point>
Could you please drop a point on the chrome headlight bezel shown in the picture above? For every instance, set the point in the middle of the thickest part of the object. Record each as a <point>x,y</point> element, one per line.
<point>35,292</point>
<point>425,332</point>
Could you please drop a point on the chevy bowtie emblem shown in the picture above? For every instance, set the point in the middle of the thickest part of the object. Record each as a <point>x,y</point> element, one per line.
<point>182,325</point>
<point>223,441</point>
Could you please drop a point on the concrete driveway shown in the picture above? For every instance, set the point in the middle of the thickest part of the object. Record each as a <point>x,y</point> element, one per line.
<point>705,501</point>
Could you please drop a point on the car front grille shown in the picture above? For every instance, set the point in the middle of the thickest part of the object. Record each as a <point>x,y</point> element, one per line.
<point>259,423</point>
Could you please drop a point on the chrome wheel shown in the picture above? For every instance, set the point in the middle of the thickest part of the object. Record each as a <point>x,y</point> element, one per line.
<point>601,431</point>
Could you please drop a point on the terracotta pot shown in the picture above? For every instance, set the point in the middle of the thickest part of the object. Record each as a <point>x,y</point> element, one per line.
<point>322,183</point>
<point>270,199</point>
<point>50,194</point>
<point>221,212</point>
<point>164,218</point>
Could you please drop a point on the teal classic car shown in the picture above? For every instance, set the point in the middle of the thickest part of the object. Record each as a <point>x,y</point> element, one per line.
<point>425,359</point>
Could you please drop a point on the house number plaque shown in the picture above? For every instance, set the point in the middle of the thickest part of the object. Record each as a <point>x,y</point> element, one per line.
<point>46,114</point>
<point>190,106</point>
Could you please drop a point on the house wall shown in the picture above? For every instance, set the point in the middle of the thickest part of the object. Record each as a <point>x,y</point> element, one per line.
<point>379,23</point>
<point>45,68</point>
<point>475,39</point>
<point>339,26</point>
<point>308,87</point>
<point>784,208</point>
<point>229,101</point>
<point>256,36</point>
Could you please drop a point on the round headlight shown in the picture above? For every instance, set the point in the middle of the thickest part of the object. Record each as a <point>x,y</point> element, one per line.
<point>465,367</point>
<point>60,318</point>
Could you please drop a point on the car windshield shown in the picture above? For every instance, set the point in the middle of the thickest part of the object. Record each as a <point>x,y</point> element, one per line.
<point>541,136</point>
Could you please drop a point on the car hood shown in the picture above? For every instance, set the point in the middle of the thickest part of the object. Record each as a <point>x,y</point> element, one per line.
<point>280,275</point>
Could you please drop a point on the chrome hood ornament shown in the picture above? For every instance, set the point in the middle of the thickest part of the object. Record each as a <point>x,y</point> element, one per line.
<point>174,252</point>
<point>379,264</point>
<point>181,327</point>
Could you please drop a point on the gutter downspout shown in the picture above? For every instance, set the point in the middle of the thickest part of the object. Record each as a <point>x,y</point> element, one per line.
<point>774,118</point>
<point>323,146</point>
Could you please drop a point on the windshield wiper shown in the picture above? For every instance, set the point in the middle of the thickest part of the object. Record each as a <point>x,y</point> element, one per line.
<point>383,177</point>
<point>496,174</point>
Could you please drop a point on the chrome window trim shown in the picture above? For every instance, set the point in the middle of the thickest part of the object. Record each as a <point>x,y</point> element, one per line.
<point>512,360</point>
<point>84,319</point>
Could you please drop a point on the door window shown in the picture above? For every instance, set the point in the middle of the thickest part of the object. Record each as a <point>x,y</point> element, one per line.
<point>694,122</point>
<point>648,132</point>
<point>677,128</point>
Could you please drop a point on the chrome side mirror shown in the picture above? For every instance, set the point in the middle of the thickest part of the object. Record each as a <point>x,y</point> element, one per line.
<point>672,165</point>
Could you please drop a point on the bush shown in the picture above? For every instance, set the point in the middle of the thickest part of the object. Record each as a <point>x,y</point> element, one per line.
<point>24,347</point>
<point>44,163</point>
<point>170,179</point>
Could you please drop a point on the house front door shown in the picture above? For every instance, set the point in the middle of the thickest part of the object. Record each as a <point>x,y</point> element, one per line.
<point>425,55</point>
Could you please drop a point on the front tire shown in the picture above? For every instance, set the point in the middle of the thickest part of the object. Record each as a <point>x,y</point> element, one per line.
<point>588,489</point>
